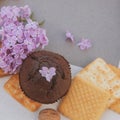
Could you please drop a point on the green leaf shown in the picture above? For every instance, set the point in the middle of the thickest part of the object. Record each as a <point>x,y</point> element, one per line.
<point>42,23</point>
<point>32,15</point>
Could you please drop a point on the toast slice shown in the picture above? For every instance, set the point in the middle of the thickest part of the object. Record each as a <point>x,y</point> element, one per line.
<point>13,88</point>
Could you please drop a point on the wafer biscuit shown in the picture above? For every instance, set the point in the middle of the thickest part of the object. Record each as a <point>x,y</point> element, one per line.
<point>100,74</point>
<point>13,88</point>
<point>84,101</point>
<point>2,73</point>
<point>116,105</point>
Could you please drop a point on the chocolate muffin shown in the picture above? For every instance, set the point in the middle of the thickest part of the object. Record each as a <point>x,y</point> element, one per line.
<point>45,76</point>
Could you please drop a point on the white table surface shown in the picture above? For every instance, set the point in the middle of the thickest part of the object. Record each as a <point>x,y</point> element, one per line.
<point>10,109</point>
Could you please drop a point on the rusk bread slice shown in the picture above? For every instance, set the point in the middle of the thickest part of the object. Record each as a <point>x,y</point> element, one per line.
<point>84,101</point>
<point>116,105</point>
<point>13,88</point>
<point>115,69</point>
<point>100,74</point>
<point>3,74</point>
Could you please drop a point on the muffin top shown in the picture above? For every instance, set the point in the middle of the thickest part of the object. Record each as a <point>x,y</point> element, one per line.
<point>45,76</point>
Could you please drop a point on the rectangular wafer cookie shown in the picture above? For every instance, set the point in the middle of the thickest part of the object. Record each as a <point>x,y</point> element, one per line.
<point>100,74</point>
<point>13,88</point>
<point>84,101</point>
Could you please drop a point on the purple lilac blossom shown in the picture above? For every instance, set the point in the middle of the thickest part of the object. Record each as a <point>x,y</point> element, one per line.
<point>69,36</point>
<point>84,44</point>
<point>48,73</point>
<point>18,38</point>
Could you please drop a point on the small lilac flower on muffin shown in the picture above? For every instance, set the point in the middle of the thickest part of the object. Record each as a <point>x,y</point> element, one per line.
<point>48,73</point>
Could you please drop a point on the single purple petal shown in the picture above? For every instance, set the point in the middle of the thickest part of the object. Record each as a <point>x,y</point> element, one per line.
<point>48,77</point>
<point>18,61</point>
<point>25,12</point>
<point>16,11</point>
<point>69,36</point>
<point>45,69</point>
<point>23,56</point>
<point>52,71</point>
<point>43,73</point>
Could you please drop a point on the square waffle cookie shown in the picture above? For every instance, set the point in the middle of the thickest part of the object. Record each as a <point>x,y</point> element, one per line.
<point>100,74</point>
<point>84,101</point>
<point>13,88</point>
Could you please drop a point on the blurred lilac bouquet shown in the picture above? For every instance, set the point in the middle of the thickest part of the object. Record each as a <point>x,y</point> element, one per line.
<point>20,35</point>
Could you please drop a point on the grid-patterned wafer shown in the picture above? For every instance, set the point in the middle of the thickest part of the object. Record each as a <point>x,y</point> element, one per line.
<point>116,105</point>
<point>100,74</point>
<point>13,88</point>
<point>84,101</point>
<point>2,74</point>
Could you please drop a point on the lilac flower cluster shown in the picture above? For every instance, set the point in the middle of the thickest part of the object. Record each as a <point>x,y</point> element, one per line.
<point>19,36</point>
